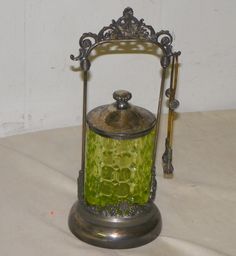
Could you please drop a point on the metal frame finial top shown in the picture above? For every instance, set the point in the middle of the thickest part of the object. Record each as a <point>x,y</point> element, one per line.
<point>128,12</point>
<point>126,28</point>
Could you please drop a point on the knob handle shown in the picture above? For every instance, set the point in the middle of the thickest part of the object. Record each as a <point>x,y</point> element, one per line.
<point>173,104</point>
<point>122,97</point>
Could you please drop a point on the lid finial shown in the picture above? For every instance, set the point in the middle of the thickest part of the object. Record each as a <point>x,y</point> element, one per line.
<point>122,97</point>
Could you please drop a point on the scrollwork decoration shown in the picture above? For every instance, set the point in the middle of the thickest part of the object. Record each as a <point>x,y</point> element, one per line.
<point>126,28</point>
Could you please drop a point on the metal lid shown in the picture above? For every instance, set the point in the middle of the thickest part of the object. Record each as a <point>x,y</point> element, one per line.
<point>121,120</point>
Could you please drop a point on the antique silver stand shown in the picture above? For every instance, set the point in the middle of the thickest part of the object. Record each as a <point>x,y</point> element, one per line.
<point>125,225</point>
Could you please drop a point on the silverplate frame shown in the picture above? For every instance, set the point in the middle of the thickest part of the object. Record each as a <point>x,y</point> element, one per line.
<point>123,225</point>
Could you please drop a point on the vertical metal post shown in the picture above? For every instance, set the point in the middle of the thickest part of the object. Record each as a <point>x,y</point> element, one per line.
<point>80,180</point>
<point>171,98</point>
<point>162,87</point>
<point>84,119</point>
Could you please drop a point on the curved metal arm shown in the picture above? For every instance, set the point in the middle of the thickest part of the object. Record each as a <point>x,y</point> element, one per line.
<point>126,29</point>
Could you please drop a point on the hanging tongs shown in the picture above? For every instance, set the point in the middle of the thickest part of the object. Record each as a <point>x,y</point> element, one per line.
<point>168,168</point>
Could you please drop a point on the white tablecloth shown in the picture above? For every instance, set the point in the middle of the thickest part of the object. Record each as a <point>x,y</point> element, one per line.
<point>38,187</point>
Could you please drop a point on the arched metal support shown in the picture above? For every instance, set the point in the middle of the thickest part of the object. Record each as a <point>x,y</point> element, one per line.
<point>126,29</point>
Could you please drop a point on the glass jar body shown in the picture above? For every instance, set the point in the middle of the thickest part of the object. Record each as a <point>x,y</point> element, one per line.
<point>116,170</point>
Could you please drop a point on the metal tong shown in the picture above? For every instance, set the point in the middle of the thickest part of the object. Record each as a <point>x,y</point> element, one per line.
<point>168,168</point>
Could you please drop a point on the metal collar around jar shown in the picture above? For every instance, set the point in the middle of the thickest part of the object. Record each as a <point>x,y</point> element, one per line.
<point>121,120</point>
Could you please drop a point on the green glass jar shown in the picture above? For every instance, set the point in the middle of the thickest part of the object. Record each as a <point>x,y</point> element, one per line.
<point>119,153</point>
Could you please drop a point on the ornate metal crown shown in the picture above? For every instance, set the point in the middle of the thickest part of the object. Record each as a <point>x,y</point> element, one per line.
<point>126,28</point>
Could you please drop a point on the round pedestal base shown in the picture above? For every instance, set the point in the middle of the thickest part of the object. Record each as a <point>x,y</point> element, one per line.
<point>115,232</point>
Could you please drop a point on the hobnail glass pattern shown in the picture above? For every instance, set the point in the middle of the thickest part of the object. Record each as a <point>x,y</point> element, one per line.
<point>118,170</point>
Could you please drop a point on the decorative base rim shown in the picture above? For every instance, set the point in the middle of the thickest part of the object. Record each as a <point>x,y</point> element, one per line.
<point>115,232</point>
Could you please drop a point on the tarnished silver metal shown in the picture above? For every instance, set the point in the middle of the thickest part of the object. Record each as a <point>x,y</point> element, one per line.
<point>115,232</point>
<point>135,225</point>
<point>126,28</point>
<point>121,120</point>
<point>173,104</point>
<point>122,97</point>
<point>84,118</point>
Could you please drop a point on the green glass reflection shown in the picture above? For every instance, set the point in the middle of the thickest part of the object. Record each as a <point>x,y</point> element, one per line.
<point>118,170</point>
